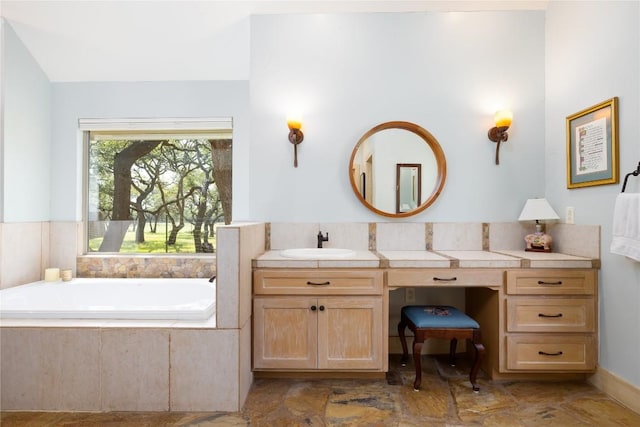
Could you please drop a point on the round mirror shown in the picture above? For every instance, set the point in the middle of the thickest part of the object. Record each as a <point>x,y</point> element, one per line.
<point>397,169</point>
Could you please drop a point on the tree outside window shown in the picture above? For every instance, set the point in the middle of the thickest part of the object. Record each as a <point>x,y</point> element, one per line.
<point>157,194</point>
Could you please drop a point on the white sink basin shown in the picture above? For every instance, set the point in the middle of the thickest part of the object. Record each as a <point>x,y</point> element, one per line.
<point>317,253</point>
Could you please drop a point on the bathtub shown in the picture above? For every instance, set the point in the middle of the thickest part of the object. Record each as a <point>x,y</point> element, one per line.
<point>166,299</point>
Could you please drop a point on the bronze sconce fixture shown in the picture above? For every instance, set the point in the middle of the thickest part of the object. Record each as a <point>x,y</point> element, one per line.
<point>295,137</point>
<point>498,133</point>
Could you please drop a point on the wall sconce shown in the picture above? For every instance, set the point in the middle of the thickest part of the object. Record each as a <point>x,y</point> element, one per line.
<point>538,210</point>
<point>295,137</point>
<point>498,133</point>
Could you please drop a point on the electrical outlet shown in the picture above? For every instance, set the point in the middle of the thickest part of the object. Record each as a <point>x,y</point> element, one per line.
<point>409,295</point>
<point>570,216</point>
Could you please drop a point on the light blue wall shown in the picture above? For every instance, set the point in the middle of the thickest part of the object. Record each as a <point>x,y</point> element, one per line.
<point>593,54</point>
<point>72,101</point>
<point>447,72</point>
<point>26,134</point>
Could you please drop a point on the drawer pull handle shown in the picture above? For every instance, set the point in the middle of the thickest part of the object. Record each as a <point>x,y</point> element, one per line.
<point>327,283</point>
<point>540,282</point>
<point>549,315</point>
<point>438,279</point>
<point>544,353</point>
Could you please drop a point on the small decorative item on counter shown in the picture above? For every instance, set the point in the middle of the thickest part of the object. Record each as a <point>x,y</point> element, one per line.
<point>66,275</point>
<point>51,274</point>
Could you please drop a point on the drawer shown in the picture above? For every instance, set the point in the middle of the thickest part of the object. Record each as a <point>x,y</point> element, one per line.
<point>551,352</point>
<point>467,277</point>
<point>551,282</point>
<point>317,282</point>
<point>551,314</point>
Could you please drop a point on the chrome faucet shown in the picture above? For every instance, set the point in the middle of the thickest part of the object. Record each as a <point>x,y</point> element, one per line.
<point>322,238</point>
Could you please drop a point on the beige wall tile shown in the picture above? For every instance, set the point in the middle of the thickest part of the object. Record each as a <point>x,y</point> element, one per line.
<point>45,253</point>
<point>252,243</point>
<point>228,276</point>
<point>347,235</point>
<point>457,236</point>
<point>63,244</point>
<point>508,236</point>
<point>21,254</point>
<point>135,369</point>
<point>287,235</point>
<point>245,372</point>
<point>578,240</point>
<point>50,369</point>
<point>398,236</point>
<point>204,370</point>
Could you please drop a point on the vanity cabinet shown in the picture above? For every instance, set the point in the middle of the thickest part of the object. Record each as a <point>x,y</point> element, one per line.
<point>551,318</point>
<point>308,320</point>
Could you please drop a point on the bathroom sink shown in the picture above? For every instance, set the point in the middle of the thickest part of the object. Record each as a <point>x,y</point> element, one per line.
<point>317,253</point>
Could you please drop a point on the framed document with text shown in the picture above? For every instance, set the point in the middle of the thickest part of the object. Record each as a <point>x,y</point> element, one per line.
<point>592,146</point>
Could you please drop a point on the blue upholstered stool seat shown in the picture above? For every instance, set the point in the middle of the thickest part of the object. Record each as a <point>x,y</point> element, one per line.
<point>438,316</point>
<point>439,321</point>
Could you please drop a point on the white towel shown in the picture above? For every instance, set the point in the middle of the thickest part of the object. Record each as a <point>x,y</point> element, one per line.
<point>626,226</point>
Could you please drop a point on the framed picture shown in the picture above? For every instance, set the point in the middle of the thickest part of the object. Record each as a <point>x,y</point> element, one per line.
<point>592,146</point>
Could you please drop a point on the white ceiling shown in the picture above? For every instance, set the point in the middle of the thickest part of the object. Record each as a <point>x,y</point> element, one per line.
<point>174,40</point>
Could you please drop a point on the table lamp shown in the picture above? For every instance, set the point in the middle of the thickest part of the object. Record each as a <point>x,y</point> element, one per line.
<point>538,210</point>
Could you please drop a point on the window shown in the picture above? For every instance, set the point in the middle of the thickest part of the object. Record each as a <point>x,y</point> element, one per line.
<point>157,186</point>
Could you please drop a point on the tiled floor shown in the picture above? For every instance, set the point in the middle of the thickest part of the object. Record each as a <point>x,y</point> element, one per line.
<point>446,400</point>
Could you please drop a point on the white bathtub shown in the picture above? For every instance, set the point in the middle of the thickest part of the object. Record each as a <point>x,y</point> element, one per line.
<point>168,299</point>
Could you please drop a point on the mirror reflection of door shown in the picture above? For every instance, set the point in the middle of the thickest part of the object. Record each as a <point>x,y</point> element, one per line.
<point>408,183</point>
<point>369,180</point>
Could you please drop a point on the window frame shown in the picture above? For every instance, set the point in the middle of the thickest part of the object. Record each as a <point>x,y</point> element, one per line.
<point>188,128</point>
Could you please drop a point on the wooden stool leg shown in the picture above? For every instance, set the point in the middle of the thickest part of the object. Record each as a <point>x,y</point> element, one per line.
<point>452,351</point>
<point>417,359</point>
<point>476,364</point>
<point>403,340</point>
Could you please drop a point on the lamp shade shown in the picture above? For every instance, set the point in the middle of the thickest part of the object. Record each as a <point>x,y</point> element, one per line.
<point>537,210</point>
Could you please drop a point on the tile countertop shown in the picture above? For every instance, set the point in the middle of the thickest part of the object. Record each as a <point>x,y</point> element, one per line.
<point>274,259</point>
<point>431,259</point>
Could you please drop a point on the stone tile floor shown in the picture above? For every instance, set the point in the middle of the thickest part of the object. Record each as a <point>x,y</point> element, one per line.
<point>446,399</point>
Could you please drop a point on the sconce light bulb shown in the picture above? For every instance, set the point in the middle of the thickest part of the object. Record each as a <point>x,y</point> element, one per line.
<point>294,124</point>
<point>503,118</point>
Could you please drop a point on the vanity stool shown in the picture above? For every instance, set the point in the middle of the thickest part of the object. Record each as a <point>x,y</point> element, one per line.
<point>434,321</point>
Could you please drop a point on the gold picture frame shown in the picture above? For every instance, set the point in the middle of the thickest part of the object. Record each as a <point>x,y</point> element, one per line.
<point>592,146</point>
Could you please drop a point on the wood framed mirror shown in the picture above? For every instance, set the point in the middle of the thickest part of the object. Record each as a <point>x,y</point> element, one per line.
<point>388,155</point>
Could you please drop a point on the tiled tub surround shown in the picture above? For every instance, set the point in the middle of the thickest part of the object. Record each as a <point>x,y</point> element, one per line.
<point>142,365</point>
<point>119,366</point>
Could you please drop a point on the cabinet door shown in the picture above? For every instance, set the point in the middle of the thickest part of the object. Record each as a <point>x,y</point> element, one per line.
<point>285,333</point>
<point>350,333</point>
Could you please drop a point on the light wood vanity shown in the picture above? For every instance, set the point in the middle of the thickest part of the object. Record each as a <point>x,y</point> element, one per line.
<point>307,319</point>
<point>536,321</point>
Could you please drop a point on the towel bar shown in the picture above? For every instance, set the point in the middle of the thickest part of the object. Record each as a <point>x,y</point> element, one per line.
<point>634,173</point>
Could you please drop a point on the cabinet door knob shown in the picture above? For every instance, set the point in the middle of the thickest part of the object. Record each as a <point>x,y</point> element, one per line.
<point>321,308</point>
<point>313,308</point>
